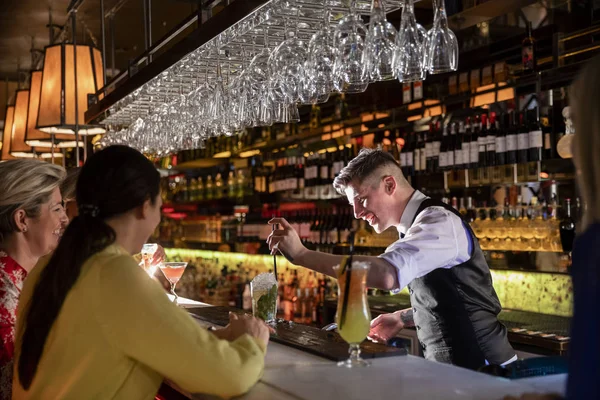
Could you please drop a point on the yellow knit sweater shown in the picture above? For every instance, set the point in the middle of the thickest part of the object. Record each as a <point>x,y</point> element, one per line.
<point>118,335</point>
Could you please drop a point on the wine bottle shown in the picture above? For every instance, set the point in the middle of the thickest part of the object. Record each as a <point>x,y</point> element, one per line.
<point>528,55</point>
<point>522,140</point>
<point>501,140</point>
<point>535,139</point>
<point>567,229</point>
<point>490,149</point>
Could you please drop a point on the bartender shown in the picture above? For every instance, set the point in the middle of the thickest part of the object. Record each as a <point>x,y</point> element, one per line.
<point>454,306</point>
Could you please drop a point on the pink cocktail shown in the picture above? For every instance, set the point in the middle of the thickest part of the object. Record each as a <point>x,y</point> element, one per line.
<point>173,272</point>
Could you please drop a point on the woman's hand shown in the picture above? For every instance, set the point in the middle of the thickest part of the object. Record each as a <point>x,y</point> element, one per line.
<point>159,255</point>
<point>240,324</point>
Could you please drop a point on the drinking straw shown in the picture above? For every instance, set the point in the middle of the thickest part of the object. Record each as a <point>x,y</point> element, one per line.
<point>347,269</point>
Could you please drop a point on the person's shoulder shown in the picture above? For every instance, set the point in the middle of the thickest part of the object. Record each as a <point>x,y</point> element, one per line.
<point>113,258</point>
<point>436,214</point>
<point>587,243</point>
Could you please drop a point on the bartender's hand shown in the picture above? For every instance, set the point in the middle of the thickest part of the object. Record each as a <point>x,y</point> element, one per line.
<point>285,240</point>
<point>238,325</point>
<point>386,326</point>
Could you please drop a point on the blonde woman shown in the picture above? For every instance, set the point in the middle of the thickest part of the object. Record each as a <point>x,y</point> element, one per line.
<point>32,219</point>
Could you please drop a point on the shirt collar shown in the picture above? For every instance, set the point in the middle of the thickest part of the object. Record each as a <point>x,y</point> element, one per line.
<point>409,211</point>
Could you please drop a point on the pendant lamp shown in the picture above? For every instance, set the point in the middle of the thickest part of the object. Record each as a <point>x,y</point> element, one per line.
<point>7,133</point>
<point>57,108</point>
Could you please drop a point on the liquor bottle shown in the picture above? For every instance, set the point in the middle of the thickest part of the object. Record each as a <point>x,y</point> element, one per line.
<point>567,229</point>
<point>528,55</point>
<point>444,149</point>
<point>522,140</point>
<point>549,142</point>
<point>512,139</point>
<point>210,193</point>
<point>461,147</point>
<point>473,128</point>
<point>536,139</point>
<point>471,213</point>
<point>501,140</point>
<point>461,209</point>
<point>299,173</point>
<point>325,184</point>
<point>490,148</point>
<point>419,146</point>
<point>231,185</point>
<point>451,147</point>
<point>482,141</point>
<point>315,117</point>
<point>200,190</point>
<point>435,156</point>
<point>428,137</point>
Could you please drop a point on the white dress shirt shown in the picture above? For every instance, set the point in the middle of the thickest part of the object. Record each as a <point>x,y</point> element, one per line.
<point>437,239</point>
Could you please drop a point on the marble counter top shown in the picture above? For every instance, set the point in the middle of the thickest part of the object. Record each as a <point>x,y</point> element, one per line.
<point>294,374</point>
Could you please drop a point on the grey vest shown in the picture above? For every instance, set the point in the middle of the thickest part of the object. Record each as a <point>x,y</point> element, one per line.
<point>455,310</point>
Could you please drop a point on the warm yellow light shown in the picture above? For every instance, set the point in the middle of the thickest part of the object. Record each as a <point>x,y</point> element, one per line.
<point>49,155</point>
<point>34,137</point>
<point>18,147</point>
<point>223,154</point>
<point>249,153</point>
<point>433,111</point>
<point>414,118</point>
<point>494,96</point>
<point>415,106</point>
<point>7,133</point>
<point>57,96</point>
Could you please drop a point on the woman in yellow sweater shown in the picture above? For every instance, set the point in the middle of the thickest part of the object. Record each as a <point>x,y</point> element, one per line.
<point>92,324</point>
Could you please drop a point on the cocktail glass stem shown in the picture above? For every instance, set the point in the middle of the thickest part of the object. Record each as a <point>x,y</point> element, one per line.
<point>354,360</point>
<point>173,292</point>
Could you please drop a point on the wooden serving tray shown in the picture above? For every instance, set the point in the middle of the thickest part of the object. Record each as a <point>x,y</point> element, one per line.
<point>307,338</point>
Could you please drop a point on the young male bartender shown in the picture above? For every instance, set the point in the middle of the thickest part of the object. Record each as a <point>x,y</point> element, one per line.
<point>454,305</point>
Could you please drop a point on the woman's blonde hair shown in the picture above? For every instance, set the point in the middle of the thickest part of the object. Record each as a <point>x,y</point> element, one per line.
<point>25,184</point>
<point>585,106</point>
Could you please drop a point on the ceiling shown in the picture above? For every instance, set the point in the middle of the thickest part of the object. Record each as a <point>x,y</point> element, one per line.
<point>22,21</point>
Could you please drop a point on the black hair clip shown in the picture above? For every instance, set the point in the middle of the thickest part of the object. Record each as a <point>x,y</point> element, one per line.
<point>89,209</point>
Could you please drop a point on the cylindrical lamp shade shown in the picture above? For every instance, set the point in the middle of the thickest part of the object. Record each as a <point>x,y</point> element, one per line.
<point>34,137</point>
<point>7,133</point>
<point>57,97</point>
<point>18,147</point>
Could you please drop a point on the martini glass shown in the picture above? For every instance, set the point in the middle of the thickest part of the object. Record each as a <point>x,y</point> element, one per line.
<point>173,272</point>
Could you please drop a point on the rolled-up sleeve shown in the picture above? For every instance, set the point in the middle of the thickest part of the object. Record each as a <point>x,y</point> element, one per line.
<point>436,239</point>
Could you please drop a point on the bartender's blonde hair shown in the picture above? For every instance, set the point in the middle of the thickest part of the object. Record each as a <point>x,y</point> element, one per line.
<point>585,106</point>
<point>26,185</point>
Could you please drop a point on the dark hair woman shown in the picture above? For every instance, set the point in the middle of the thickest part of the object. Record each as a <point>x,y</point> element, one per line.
<point>95,325</point>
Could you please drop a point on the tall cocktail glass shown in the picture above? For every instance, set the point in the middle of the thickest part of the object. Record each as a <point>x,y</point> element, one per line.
<point>263,289</point>
<point>353,315</point>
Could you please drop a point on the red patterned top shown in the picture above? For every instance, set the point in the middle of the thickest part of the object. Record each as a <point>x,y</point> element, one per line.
<point>12,276</point>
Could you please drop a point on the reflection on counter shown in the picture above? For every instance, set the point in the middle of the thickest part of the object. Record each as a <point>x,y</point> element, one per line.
<point>206,279</point>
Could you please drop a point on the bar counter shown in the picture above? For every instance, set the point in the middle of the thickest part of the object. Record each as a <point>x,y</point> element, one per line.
<point>291,373</point>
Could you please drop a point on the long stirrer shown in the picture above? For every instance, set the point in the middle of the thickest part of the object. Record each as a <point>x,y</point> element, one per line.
<point>347,269</point>
<point>274,226</point>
